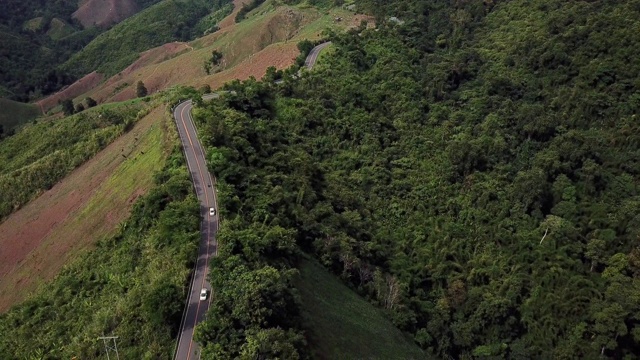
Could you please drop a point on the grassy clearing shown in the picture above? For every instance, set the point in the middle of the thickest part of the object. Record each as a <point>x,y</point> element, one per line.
<point>59,29</point>
<point>342,325</point>
<point>34,24</point>
<point>271,23</point>
<point>262,27</point>
<point>126,102</point>
<point>326,21</point>
<point>15,113</point>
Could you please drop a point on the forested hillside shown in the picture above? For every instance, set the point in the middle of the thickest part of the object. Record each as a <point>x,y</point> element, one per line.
<point>43,47</point>
<point>473,171</point>
<point>164,22</point>
<point>32,45</point>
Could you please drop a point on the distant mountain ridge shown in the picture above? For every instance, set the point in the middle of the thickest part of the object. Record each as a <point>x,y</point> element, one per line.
<point>104,13</point>
<point>37,36</point>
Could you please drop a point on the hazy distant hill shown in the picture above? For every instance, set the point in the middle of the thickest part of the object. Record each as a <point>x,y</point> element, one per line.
<point>36,36</point>
<point>118,47</point>
<point>105,12</point>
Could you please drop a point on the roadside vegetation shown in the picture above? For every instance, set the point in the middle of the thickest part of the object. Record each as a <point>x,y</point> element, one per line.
<point>131,284</point>
<point>470,171</point>
<point>41,154</point>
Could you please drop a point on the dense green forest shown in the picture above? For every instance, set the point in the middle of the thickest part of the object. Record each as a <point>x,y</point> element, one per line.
<point>473,171</point>
<point>132,285</point>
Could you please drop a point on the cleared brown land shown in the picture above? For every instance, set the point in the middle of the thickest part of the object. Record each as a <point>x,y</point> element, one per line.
<point>76,89</point>
<point>280,56</point>
<point>249,48</point>
<point>39,239</point>
<point>114,90</point>
<point>157,55</point>
<point>104,12</point>
<point>248,51</point>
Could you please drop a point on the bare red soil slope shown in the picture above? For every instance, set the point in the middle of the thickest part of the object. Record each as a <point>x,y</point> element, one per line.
<point>39,239</point>
<point>78,88</point>
<point>104,12</point>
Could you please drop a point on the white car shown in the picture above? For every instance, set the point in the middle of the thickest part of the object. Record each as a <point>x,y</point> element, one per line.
<point>212,211</point>
<point>203,294</point>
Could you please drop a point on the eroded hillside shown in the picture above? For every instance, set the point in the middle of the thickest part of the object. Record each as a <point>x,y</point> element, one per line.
<point>268,37</point>
<point>104,12</point>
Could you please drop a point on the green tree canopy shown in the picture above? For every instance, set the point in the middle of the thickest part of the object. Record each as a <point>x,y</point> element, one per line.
<point>141,90</point>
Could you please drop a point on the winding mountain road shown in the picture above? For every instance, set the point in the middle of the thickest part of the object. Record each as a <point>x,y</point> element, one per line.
<point>313,55</point>
<point>205,188</point>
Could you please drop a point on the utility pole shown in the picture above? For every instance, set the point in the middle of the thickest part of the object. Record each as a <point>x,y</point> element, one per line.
<point>108,347</point>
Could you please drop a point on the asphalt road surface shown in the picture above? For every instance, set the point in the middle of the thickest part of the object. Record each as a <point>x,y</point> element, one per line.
<point>313,55</point>
<point>205,188</point>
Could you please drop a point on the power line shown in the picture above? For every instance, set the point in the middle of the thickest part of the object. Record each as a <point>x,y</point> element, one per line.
<point>108,347</point>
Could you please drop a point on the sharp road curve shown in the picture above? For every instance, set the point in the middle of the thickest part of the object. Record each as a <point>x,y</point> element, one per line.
<point>205,188</point>
<point>313,55</point>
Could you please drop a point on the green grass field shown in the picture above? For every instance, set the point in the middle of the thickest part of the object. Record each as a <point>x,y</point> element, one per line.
<point>13,113</point>
<point>34,24</point>
<point>342,325</point>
